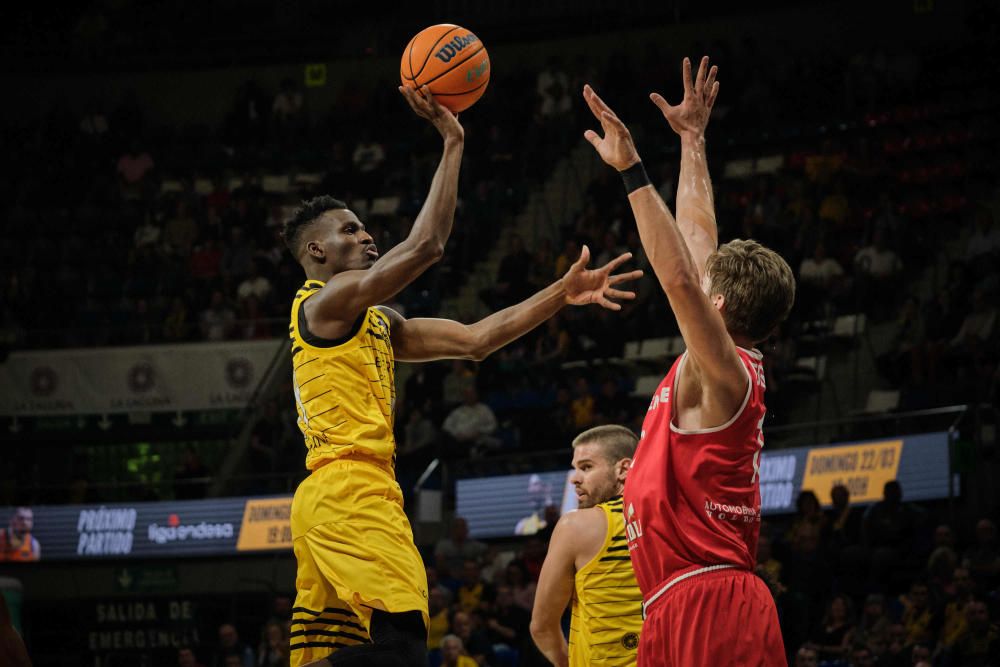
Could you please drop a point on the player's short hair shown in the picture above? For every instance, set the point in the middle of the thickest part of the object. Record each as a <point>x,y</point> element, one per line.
<point>617,442</point>
<point>758,285</point>
<point>305,215</point>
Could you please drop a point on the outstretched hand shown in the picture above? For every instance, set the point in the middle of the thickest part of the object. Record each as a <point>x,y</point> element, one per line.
<point>424,105</point>
<point>691,115</point>
<point>616,147</point>
<point>584,286</point>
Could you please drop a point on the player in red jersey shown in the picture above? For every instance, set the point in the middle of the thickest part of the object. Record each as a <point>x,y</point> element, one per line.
<point>692,498</point>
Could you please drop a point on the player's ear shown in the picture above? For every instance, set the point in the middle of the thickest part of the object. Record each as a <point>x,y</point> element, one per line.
<point>622,468</point>
<point>316,250</point>
<point>718,301</point>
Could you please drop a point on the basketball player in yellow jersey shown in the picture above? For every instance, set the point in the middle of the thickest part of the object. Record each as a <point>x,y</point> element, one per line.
<point>361,585</point>
<point>588,562</point>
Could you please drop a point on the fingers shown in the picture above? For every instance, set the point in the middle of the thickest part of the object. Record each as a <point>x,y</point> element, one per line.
<point>594,101</point>
<point>710,81</point>
<point>710,102</point>
<point>611,122</point>
<point>619,294</point>
<point>625,277</point>
<point>616,262</point>
<point>593,138</point>
<point>584,258</point>
<point>610,305</point>
<point>686,75</point>
<point>699,82</point>
<point>660,103</point>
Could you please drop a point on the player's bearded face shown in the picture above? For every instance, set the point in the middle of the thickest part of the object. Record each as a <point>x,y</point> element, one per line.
<point>594,477</point>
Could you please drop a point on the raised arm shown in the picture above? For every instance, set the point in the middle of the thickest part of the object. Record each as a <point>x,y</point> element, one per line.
<point>348,293</point>
<point>709,344</point>
<point>427,339</point>
<point>689,119</point>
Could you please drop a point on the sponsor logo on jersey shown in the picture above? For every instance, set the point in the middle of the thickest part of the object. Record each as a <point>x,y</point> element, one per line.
<point>630,641</point>
<point>633,527</point>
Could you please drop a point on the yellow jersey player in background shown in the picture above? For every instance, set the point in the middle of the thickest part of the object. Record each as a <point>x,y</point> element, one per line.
<point>588,562</point>
<point>361,585</point>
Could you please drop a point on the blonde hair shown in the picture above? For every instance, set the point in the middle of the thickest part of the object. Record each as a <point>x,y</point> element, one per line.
<point>617,442</point>
<point>757,284</point>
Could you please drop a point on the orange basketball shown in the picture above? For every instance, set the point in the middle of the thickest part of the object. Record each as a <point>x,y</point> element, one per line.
<point>451,61</point>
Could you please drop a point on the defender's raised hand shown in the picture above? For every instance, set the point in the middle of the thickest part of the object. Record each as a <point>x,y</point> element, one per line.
<point>691,115</point>
<point>584,286</point>
<point>616,147</point>
<point>424,105</point>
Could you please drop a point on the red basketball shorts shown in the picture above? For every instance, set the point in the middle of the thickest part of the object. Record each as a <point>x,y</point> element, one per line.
<point>724,618</point>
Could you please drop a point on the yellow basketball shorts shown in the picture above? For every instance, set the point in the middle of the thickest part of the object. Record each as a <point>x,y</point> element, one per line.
<point>355,553</point>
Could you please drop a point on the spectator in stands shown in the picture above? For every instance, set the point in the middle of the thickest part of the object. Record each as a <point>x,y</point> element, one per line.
<point>477,645</point>
<point>368,158</point>
<point>830,639</point>
<point>872,629</point>
<point>820,273</point>
<point>521,586</point>
<point>255,284</point>
<point>897,650</point>
<point>176,325</point>
<point>218,319</point>
<point>552,344</point>
<point>806,656</point>
<point>274,648</point>
<point>513,276</point>
<point>862,656</point>
<point>455,385</point>
<point>878,268</point>
<point>237,258</point>
<point>451,552</point>
<point>135,167</point>
<point>286,110</point>
<point>955,623</point>
<point>583,405</point>
<point>843,522</point>
<point>474,593</point>
<point>979,644</point>
<point>890,527</point>
<point>552,87</point>
<point>471,425</point>
<point>983,246</point>
<point>186,658</point>
<point>206,261</point>
<point>921,620</point>
<point>453,653</point>
<point>943,559</point>
<point>507,626</point>
<point>181,230</point>
<point>768,567</point>
<point>437,604</point>
<point>419,431</point>
<point>809,516</point>
<point>979,326</point>
<point>983,559</point>
<point>147,234</point>
<point>230,644</point>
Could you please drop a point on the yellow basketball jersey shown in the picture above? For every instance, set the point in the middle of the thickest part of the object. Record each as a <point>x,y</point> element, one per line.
<point>607,605</point>
<point>345,389</point>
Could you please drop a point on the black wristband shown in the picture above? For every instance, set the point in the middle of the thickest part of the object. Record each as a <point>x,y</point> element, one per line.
<point>635,177</point>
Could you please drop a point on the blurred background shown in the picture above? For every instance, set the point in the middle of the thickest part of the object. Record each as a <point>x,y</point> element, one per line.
<point>152,150</point>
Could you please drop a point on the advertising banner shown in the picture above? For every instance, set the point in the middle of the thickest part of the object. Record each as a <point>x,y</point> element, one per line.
<point>145,530</point>
<point>153,378</point>
<point>511,505</point>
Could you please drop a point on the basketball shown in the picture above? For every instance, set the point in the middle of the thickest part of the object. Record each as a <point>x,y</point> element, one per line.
<point>451,61</point>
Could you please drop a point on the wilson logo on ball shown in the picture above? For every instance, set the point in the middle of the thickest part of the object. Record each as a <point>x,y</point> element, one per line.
<point>448,51</point>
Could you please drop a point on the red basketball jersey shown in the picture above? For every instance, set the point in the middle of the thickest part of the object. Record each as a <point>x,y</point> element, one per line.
<point>692,498</point>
